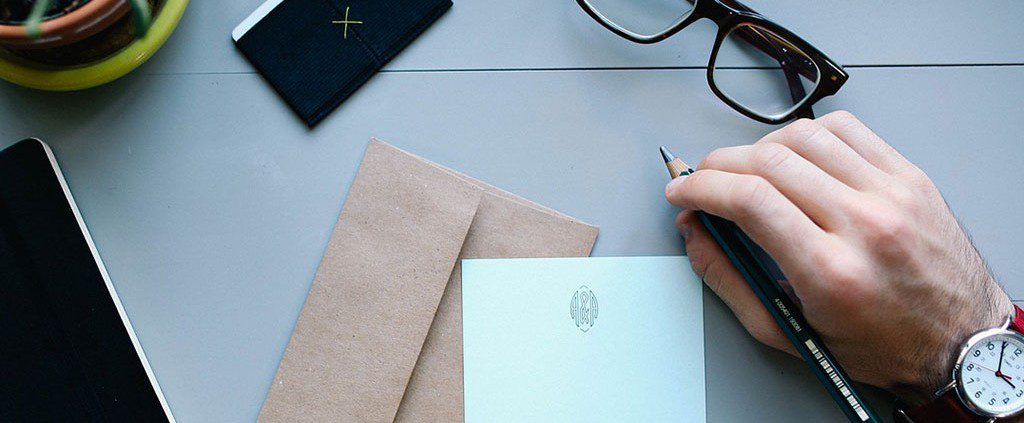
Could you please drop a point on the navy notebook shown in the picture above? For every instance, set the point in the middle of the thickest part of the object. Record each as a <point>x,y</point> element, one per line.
<point>316,53</point>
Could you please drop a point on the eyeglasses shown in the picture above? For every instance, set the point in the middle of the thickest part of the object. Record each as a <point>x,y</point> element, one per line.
<point>761,69</point>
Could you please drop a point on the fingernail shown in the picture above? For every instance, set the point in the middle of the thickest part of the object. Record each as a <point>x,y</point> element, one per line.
<point>675,184</point>
<point>685,231</point>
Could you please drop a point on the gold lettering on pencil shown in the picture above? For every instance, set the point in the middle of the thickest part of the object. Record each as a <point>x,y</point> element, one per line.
<point>789,317</point>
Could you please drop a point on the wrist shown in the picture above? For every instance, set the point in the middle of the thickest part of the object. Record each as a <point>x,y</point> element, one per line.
<point>939,356</point>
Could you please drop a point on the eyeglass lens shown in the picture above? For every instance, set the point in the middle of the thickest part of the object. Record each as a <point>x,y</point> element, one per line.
<point>756,68</point>
<point>763,72</point>
<point>642,17</point>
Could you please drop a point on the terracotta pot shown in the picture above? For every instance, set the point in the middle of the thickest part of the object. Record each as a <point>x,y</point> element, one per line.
<point>81,23</point>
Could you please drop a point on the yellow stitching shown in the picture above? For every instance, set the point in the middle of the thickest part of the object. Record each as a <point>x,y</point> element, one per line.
<point>346,22</point>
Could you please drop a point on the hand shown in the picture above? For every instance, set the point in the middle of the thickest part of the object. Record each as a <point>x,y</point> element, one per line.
<point>876,260</point>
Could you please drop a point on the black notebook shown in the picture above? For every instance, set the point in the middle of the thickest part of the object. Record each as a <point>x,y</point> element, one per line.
<point>316,53</point>
<point>67,348</point>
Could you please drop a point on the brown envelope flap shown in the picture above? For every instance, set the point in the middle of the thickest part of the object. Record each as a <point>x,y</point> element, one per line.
<point>375,294</point>
<point>503,228</point>
<point>491,189</point>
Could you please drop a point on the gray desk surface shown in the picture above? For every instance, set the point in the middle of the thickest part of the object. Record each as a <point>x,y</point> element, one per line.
<point>211,203</point>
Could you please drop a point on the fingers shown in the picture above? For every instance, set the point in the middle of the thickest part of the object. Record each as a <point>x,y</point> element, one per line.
<point>815,192</point>
<point>760,210</point>
<point>815,142</point>
<point>714,268</point>
<point>866,143</point>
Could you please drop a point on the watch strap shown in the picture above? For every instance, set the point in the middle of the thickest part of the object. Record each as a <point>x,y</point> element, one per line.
<point>1017,324</point>
<point>947,407</point>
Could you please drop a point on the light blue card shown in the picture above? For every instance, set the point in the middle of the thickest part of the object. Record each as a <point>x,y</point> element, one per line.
<point>583,340</point>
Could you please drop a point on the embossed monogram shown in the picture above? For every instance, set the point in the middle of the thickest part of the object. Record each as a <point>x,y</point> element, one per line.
<point>583,308</point>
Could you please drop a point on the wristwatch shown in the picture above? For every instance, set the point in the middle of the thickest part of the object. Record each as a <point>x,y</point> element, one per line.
<point>988,379</point>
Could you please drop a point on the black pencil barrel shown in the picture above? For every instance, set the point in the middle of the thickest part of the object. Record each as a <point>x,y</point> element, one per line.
<point>740,250</point>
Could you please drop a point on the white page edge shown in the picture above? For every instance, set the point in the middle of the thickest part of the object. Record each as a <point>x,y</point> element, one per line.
<point>254,18</point>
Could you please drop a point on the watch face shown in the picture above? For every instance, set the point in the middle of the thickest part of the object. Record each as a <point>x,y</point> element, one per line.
<point>990,377</point>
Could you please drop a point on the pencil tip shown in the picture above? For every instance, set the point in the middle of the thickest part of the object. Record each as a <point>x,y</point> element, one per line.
<point>667,155</point>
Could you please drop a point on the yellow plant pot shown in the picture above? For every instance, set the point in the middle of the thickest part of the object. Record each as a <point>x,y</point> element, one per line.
<point>22,72</point>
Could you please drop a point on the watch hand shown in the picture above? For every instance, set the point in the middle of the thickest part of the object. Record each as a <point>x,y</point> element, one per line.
<point>1001,352</point>
<point>1011,377</point>
<point>986,368</point>
<point>1006,379</point>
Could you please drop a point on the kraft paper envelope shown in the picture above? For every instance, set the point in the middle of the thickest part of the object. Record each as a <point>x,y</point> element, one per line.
<point>503,227</point>
<point>387,268</point>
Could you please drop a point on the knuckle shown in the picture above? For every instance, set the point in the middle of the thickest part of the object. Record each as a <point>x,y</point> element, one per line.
<point>888,227</point>
<point>822,258</point>
<point>922,182</point>
<point>800,131</point>
<point>700,262</point>
<point>841,272</point>
<point>764,333</point>
<point>887,230</point>
<point>768,158</point>
<point>906,199</point>
<point>842,117</point>
<point>714,278</point>
<point>846,282</point>
<point>712,160</point>
<point>751,196</point>
<point>694,179</point>
<point>705,266</point>
<point>688,218</point>
<point>919,181</point>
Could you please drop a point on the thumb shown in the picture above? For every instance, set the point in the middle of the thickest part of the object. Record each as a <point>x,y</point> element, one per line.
<point>714,268</point>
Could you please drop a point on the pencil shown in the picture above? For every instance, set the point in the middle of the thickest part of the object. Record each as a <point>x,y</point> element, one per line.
<point>763,276</point>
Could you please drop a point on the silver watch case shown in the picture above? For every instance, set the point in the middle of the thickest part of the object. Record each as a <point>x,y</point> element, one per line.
<point>957,368</point>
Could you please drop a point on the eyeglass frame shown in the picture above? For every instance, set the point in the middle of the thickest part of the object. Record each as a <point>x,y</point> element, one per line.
<point>729,15</point>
